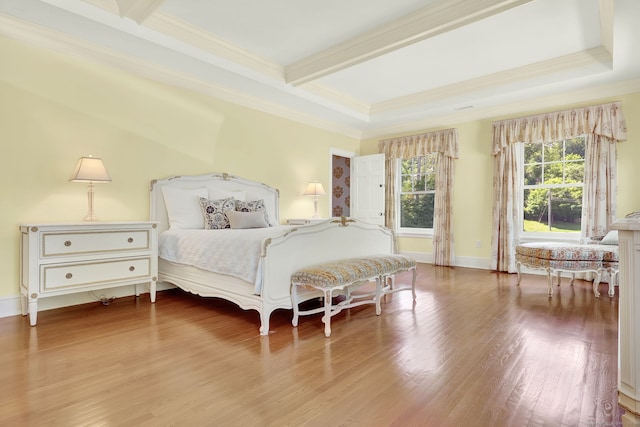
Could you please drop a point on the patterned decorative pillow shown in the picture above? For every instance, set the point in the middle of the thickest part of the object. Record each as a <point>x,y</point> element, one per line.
<point>253,206</point>
<point>214,214</point>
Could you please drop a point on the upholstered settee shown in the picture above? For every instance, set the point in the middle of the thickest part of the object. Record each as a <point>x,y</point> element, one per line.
<point>598,258</point>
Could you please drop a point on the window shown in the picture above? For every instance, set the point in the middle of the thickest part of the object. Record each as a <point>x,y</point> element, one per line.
<point>553,182</point>
<point>417,177</point>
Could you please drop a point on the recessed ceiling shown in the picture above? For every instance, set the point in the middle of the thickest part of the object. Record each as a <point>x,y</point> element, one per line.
<point>359,67</point>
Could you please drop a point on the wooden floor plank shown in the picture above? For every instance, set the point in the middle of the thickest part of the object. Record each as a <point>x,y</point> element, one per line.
<point>473,350</point>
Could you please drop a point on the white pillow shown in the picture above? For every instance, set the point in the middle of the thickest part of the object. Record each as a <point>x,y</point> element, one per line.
<point>239,219</point>
<point>217,193</point>
<point>183,207</point>
<point>610,239</point>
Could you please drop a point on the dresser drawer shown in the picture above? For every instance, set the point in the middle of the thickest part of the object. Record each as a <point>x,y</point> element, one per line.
<point>63,276</point>
<point>75,243</point>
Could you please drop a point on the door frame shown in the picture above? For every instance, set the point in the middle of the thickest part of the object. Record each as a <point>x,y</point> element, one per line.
<point>341,153</point>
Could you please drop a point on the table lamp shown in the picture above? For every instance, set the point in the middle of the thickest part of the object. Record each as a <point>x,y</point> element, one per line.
<point>315,189</point>
<point>91,170</point>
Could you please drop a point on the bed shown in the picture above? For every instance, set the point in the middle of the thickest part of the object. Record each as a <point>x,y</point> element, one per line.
<point>260,278</point>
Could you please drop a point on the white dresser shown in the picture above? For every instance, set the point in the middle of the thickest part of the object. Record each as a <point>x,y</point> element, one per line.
<point>629,319</point>
<point>58,259</point>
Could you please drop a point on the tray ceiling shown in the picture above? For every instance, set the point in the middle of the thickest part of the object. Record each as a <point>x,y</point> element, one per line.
<point>360,67</point>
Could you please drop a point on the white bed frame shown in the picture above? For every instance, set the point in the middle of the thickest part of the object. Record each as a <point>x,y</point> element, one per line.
<point>295,248</point>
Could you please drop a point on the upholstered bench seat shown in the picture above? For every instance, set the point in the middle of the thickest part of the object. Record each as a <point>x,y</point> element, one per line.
<point>343,275</point>
<point>574,258</point>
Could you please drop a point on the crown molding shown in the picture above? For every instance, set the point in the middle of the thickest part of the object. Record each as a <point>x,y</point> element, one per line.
<point>177,29</point>
<point>212,50</point>
<point>52,40</point>
<point>585,58</point>
<point>428,22</point>
<point>600,55</point>
<point>510,109</point>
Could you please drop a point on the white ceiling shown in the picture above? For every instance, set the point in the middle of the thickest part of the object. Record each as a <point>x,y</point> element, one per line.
<point>360,67</point>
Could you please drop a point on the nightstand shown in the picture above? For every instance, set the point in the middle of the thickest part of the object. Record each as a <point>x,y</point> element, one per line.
<point>305,221</point>
<point>59,259</point>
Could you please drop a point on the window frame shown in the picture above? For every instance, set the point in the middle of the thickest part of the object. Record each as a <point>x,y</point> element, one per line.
<point>533,236</point>
<point>409,231</point>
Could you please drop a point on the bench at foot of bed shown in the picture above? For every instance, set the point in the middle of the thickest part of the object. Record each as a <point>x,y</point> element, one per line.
<point>343,276</point>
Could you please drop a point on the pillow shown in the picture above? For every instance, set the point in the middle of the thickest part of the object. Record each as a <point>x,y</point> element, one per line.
<point>239,219</point>
<point>610,239</point>
<point>218,193</point>
<point>183,207</point>
<point>214,212</point>
<point>252,206</point>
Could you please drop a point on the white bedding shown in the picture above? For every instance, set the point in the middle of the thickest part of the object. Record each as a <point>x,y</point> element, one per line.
<point>234,252</point>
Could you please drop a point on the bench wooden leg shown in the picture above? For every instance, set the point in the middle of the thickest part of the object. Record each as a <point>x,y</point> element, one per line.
<point>613,276</point>
<point>327,312</point>
<point>294,302</point>
<point>379,281</point>
<point>518,267</point>
<point>550,282</point>
<point>596,283</point>
<point>389,285</point>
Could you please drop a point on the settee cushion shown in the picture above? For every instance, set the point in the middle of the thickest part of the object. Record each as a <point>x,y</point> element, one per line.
<point>568,252</point>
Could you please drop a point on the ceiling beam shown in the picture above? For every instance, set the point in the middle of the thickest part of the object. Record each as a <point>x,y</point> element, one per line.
<point>138,10</point>
<point>430,21</point>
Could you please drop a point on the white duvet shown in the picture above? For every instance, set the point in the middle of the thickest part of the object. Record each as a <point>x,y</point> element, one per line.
<point>234,252</point>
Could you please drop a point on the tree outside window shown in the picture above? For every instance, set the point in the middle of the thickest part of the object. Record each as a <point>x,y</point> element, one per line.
<point>553,182</point>
<point>417,192</point>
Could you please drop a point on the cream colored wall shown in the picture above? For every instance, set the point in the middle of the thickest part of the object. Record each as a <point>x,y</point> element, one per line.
<point>474,179</point>
<point>54,109</point>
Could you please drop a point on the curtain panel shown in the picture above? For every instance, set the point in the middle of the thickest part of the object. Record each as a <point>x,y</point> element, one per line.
<point>604,126</point>
<point>445,144</point>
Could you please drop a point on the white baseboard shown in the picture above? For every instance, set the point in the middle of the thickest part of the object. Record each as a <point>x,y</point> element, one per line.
<point>10,306</point>
<point>467,262</point>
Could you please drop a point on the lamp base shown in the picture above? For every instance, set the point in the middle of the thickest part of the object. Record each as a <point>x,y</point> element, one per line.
<point>91,215</point>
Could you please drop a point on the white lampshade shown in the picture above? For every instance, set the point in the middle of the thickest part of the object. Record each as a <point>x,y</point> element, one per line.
<point>314,189</point>
<point>90,169</point>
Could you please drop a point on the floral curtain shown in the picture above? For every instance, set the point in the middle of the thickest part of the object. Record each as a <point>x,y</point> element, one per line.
<point>445,144</point>
<point>604,125</point>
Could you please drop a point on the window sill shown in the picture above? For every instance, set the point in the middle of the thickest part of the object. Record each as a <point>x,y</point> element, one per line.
<point>415,234</point>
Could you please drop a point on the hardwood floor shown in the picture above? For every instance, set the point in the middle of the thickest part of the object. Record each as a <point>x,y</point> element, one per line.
<point>474,350</point>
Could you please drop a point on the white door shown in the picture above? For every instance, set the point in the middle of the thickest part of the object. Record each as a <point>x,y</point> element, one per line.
<point>367,188</point>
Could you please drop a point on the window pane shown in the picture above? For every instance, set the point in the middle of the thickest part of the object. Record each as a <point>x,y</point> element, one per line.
<point>553,187</point>
<point>574,171</point>
<point>532,174</point>
<point>557,209</point>
<point>553,173</point>
<point>416,210</point>
<point>574,148</point>
<point>430,183</point>
<point>532,153</point>
<point>553,152</point>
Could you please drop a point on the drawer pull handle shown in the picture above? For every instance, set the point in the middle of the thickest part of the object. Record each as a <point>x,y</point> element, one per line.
<point>67,243</point>
<point>132,268</point>
<point>68,275</point>
<point>130,240</point>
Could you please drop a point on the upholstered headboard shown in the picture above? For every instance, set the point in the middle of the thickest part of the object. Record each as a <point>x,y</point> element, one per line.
<point>218,182</point>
